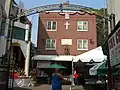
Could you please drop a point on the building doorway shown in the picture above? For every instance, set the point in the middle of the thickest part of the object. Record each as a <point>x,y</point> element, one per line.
<point>18,56</point>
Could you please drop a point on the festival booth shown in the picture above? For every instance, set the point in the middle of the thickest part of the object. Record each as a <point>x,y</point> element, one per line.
<point>102,69</point>
<point>88,60</point>
<point>42,62</point>
<point>94,54</point>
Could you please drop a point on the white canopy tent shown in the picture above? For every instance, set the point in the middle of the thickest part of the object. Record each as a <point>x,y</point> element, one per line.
<point>48,58</point>
<point>53,57</point>
<point>93,70</point>
<point>94,54</point>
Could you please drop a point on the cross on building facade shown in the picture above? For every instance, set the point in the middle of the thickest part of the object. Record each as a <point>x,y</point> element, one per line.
<point>67,25</point>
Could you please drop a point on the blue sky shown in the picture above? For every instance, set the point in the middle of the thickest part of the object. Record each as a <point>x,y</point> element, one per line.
<point>35,3</point>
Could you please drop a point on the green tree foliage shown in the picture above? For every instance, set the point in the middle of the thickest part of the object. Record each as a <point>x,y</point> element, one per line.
<point>102,25</point>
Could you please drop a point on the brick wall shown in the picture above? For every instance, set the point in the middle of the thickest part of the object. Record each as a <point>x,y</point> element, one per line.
<point>62,33</point>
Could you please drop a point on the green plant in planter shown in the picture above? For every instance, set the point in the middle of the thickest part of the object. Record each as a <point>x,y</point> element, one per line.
<point>20,72</point>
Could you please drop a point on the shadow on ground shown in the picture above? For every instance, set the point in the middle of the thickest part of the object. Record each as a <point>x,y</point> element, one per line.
<point>21,88</point>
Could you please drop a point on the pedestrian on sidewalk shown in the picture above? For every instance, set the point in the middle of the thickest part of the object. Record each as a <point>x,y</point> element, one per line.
<point>76,78</point>
<point>56,80</point>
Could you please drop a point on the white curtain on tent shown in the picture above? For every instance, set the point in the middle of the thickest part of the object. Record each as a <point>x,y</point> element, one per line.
<point>93,70</point>
<point>94,54</point>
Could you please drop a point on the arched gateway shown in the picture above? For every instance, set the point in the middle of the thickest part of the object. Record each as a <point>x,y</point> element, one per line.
<point>61,7</point>
<point>52,7</point>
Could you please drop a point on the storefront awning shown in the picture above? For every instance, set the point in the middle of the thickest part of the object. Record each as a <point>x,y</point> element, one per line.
<point>53,57</point>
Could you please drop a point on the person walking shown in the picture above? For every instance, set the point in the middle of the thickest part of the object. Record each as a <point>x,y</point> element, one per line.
<point>75,78</point>
<point>56,80</point>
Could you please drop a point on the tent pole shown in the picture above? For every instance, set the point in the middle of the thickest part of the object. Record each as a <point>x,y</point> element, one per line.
<point>105,82</point>
<point>109,75</point>
<point>72,73</point>
<point>72,77</point>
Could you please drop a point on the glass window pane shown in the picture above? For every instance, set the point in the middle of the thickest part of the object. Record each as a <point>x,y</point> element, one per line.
<point>53,43</point>
<point>48,41</point>
<point>85,22</point>
<point>85,44</point>
<point>84,41</point>
<point>50,44</point>
<point>79,41</point>
<point>79,46</point>
<point>54,25</point>
<point>80,25</point>
<point>80,22</point>
<point>49,25</point>
<point>47,46</point>
<point>85,26</point>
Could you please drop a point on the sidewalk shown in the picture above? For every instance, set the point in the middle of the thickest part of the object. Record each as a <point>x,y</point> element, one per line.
<point>48,87</point>
<point>79,87</point>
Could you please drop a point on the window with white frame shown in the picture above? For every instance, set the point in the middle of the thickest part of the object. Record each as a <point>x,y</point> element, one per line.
<point>82,26</point>
<point>51,25</point>
<point>82,44</point>
<point>50,44</point>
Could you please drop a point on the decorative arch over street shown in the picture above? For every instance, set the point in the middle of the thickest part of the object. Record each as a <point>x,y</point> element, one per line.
<point>52,7</point>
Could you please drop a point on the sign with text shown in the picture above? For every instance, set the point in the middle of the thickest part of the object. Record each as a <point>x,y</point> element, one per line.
<point>114,48</point>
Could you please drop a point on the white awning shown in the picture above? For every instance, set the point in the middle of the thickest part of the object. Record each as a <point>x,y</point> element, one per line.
<point>23,45</point>
<point>94,54</point>
<point>53,57</point>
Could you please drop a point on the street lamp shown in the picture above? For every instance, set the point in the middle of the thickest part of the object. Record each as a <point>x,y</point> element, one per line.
<point>9,42</point>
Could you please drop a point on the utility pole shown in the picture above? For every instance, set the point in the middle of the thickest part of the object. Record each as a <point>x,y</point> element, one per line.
<point>28,42</point>
<point>112,21</point>
<point>10,49</point>
<point>110,79</point>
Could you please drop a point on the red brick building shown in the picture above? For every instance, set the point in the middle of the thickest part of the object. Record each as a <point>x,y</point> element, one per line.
<point>70,33</point>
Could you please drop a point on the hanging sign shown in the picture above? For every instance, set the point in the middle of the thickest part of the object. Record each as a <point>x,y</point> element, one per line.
<point>114,48</point>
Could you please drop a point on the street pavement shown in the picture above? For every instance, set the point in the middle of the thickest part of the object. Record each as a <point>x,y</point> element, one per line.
<point>48,87</point>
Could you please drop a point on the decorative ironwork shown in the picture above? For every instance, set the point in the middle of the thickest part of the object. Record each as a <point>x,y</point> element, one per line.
<point>67,50</point>
<point>60,7</point>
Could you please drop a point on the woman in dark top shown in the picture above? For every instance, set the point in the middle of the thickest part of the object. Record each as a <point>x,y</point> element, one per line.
<point>56,80</point>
